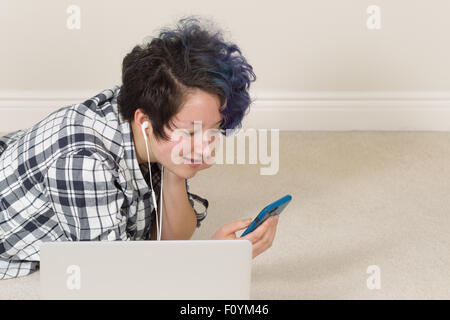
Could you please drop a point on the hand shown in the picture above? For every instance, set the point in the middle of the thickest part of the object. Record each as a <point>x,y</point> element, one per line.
<point>261,238</point>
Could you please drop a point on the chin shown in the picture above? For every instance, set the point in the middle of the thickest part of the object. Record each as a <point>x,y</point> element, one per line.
<point>185,171</point>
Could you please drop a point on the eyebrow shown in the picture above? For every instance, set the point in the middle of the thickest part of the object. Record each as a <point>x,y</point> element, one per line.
<point>220,121</point>
<point>192,122</point>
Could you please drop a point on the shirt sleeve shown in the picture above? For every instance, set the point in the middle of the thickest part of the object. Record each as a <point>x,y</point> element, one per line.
<point>86,198</point>
<point>201,209</point>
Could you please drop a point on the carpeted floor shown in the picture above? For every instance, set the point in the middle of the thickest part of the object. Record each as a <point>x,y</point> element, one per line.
<point>359,199</point>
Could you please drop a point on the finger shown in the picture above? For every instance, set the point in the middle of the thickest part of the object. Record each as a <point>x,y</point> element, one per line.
<point>270,234</point>
<point>262,229</point>
<point>251,237</point>
<point>272,231</point>
<point>257,234</point>
<point>262,245</point>
<point>257,249</point>
<point>236,225</point>
<point>265,239</point>
<point>264,242</point>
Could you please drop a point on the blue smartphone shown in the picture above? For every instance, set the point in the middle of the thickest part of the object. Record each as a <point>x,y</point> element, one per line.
<point>272,209</point>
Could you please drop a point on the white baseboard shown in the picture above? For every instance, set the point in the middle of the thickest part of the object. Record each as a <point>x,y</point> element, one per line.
<point>324,111</point>
<point>22,109</point>
<point>346,111</point>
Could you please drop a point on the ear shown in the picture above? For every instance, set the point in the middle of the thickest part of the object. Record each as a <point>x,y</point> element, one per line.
<point>140,116</point>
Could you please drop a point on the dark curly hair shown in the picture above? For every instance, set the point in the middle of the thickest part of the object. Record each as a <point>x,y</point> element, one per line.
<point>157,76</point>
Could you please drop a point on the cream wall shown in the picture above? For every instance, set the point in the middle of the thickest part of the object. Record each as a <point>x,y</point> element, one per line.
<point>318,66</point>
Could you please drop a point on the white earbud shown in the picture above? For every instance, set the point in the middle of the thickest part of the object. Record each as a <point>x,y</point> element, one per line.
<point>143,127</point>
<point>158,226</point>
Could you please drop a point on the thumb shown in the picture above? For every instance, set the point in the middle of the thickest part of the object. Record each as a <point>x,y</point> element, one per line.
<point>237,225</point>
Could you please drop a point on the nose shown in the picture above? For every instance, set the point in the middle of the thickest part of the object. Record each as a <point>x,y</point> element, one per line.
<point>199,147</point>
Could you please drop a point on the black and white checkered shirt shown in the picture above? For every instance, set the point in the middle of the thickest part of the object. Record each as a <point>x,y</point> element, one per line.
<point>74,176</point>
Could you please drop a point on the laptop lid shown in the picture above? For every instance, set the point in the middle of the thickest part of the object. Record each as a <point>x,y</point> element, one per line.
<point>169,269</point>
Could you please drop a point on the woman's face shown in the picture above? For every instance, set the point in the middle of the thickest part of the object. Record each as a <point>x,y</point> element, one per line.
<point>189,142</point>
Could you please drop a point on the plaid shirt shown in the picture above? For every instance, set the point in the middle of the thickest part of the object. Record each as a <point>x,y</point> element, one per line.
<point>74,176</point>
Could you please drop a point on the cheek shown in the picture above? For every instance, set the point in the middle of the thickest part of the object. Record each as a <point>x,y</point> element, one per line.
<point>169,148</point>
<point>184,145</point>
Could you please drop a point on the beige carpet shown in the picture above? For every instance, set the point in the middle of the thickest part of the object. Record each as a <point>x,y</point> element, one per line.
<point>359,199</point>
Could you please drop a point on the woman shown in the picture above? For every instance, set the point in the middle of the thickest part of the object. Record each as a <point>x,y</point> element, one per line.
<point>82,173</point>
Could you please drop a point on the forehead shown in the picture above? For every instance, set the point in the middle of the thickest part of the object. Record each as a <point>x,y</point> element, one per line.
<point>199,105</point>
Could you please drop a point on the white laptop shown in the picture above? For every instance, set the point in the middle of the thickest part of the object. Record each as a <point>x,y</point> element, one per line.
<point>168,269</point>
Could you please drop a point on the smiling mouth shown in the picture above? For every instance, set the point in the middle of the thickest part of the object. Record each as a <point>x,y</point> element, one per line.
<point>191,161</point>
